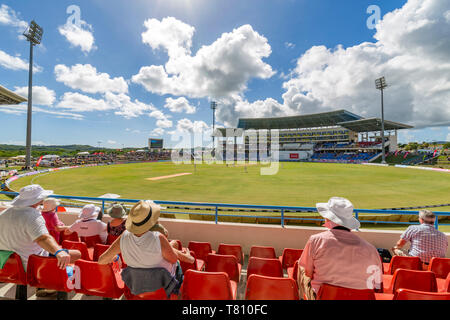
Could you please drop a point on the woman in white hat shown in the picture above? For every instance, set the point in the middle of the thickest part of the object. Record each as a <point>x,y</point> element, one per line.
<point>151,260</point>
<point>338,256</point>
<point>52,222</point>
<point>87,225</point>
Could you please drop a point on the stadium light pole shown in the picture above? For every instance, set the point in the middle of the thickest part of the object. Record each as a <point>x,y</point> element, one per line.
<point>213,108</point>
<point>34,36</point>
<point>381,84</point>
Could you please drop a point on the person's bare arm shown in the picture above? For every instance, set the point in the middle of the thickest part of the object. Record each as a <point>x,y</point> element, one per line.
<point>108,255</point>
<point>400,244</point>
<point>61,228</point>
<point>48,243</point>
<point>184,256</point>
<point>167,251</point>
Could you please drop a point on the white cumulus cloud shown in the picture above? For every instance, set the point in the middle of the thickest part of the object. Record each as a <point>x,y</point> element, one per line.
<point>179,105</point>
<point>86,78</point>
<point>79,35</point>
<point>9,17</point>
<point>15,63</point>
<point>41,95</point>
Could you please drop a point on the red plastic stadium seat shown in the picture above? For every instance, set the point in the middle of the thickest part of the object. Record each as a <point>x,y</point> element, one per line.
<point>71,237</point>
<point>440,267</point>
<point>232,249</point>
<point>270,288</point>
<point>411,279</point>
<point>225,263</point>
<point>293,271</point>
<point>444,284</point>
<point>201,249</point>
<point>43,272</point>
<point>159,294</point>
<point>110,239</point>
<point>13,272</point>
<point>198,264</point>
<point>91,241</point>
<point>86,254</point>
<point>200,285</point>
<point>99,280</point>
<point>411,263</point>
<point>330,292</point>
<point>289,257</point>
<point>264,267</point>
<point>408,294</point>
<point>99,249</point>
<point>262,252</point>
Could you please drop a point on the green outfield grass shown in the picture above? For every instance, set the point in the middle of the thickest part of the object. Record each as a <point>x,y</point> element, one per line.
<point>295,184</point>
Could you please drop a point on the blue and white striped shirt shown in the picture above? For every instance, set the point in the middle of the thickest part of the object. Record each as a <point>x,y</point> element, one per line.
<point>426,242</point>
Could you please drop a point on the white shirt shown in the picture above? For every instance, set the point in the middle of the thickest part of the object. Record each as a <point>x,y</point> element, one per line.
<point>19,228</point>
<point>144,251</point>
<point>90,228</point>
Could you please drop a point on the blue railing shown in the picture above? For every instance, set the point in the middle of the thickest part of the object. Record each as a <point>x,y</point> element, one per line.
<point>218,207</point>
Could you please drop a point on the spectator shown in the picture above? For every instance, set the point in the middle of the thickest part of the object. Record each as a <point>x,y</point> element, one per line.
<point>152,261</point>
<point>52,222</point>
<point>87,225</point>
<point>23,230</point>
<point>338,256</point>
<point>116,226</point>
<point>426,241</point>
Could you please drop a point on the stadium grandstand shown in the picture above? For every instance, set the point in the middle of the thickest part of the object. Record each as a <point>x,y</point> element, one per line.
<point>336,136</point>
<point>9,97</point>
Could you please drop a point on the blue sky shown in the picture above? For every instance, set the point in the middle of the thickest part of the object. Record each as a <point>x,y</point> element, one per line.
<point>294,49</point>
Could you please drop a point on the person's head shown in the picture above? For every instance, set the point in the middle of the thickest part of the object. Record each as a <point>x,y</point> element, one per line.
<point>142,217</point>
<point>338,212</point>
<point>50,204</point>
<point>427,217</point>
<point>89,211</point>
<point>116,211</point>
<point>31,196</point>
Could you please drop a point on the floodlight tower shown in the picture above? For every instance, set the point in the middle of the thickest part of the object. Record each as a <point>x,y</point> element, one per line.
<point>381,84</point>
<point>34,35</point>
<point>213,108</point>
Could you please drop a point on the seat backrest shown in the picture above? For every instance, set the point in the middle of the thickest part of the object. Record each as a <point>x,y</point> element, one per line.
<point>43,272</point>
<point>187,266</point>
<point>271,288</point>
<point>408,294</point>
<point>61,209</point>
<point>98,280</point>
<point>411,263</point>
<point>13,271</point>
<point>81,246</point>
<point>264,267</point>
<point>262,252</point>
<point>201,285</point>
<point>290,256</point>
<point>99,249</point>
<point>159,294</point>
<point>295,273</point>
<point>110,238</point>
<point>91,241</point>
<point>447,283</point>
<point>201,249</point>
<point>414,280</point>
<point>71,237</point>
<point>331,292</point>
<point>232,249</point>
<point>225,263</point>
<point>440,267</point>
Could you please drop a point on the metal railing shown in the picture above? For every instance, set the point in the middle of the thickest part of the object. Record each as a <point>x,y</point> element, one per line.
<point>217,210</point>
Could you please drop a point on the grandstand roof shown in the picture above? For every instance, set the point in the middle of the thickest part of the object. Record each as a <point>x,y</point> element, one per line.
<point>372,124</point>
<point>317,120</point>
<point>9,97</point>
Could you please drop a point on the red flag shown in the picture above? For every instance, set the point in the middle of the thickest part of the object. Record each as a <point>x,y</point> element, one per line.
<point>396,152</point>
<point>434,154</point>
<point>406,154</point>
<point>39,161</point>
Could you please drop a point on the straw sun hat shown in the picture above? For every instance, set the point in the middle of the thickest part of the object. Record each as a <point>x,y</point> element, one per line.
<point>50,204</point>
<point>340,211</point>
<point>143,215</point>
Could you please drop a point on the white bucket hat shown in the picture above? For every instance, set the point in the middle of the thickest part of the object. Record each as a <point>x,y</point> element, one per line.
<point>50,204</point>
<point>30,195</point>
<point>340,211</point>
<point>89,211</point>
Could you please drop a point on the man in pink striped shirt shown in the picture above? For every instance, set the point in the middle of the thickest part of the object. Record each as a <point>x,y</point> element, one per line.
<point>338,256</point>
